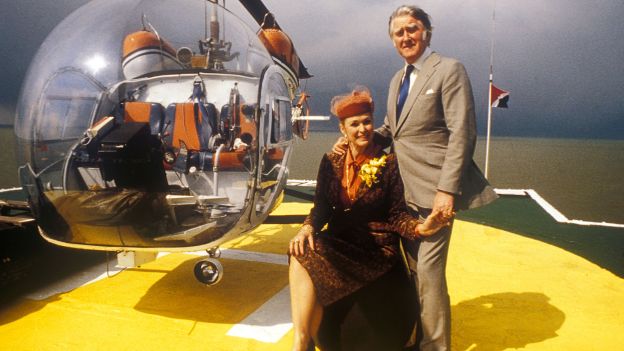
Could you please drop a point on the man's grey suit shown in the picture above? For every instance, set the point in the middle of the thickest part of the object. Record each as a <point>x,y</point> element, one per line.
<point>434,141</point>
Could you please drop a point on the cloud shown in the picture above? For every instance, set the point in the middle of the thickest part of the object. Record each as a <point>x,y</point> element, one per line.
<point>561,61</point>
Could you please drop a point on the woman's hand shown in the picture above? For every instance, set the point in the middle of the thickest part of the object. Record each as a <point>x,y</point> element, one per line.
<point>297,244</point>
<point>340,147</point>
<point>434,222</point>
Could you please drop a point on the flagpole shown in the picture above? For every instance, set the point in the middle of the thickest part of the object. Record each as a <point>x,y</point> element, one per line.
<point>489,127</point>
<point>489,121</point>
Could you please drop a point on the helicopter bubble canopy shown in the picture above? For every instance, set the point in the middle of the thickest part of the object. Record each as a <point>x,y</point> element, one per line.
<point>139,126</point>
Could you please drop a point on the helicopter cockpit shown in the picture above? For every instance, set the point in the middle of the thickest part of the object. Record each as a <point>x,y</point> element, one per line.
<point>148,125</point>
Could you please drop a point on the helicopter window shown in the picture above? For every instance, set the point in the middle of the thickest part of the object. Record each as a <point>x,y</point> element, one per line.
<point>61,122</point>
<point>281,117</point>
<point>68,104</point>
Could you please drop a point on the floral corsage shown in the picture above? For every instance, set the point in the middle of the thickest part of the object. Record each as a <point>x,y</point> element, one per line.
<point>370,171</point>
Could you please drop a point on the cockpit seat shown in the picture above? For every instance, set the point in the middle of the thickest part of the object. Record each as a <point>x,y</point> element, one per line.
<point>144,112</point>
<point>186,124</point>
<point>188,132</point>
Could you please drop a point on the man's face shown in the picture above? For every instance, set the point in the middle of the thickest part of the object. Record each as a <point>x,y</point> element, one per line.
<point>407,37</point>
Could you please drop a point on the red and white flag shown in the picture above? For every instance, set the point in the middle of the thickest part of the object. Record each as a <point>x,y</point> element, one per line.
<point>499,97</point>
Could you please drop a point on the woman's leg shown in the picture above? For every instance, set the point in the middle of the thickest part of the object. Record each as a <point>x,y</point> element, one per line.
<point>305,308</point>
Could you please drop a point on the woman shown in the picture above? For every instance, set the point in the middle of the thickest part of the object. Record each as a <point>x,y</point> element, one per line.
<point>359,196</point>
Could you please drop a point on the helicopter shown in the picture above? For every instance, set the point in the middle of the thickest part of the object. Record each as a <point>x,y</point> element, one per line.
<point>149,126</point>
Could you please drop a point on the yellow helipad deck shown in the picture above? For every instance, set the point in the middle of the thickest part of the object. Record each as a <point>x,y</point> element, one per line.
<point>507,292</point>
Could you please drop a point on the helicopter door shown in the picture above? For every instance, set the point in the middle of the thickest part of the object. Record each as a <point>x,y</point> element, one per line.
<point>273,161</point>
<point>275,146</point>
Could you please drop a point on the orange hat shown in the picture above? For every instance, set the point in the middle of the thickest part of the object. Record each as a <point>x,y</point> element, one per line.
<point>359,102</point>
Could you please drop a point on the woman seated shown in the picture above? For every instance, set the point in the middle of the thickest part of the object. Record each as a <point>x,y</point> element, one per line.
<point>359,196</point>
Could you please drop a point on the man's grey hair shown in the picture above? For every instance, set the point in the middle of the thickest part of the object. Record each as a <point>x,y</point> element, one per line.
<point>414,11</point>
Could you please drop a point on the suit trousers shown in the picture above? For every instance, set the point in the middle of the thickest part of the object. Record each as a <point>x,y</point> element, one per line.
<point>427,261</point>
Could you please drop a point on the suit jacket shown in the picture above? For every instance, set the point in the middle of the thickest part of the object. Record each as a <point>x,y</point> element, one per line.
<point>435,136</point>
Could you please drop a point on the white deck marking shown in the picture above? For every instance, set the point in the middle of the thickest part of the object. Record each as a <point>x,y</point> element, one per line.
<point>551,210</point>
<point>269,323</point>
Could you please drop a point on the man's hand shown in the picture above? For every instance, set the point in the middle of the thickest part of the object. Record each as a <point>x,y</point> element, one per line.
<point>443,202</point>
<point>340,147</point>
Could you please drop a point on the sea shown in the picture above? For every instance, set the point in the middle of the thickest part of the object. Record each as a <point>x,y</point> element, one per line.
<point>582,178</point>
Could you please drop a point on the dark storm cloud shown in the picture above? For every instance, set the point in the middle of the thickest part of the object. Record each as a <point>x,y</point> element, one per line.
<point>560,60</point>
<point>24,24</point>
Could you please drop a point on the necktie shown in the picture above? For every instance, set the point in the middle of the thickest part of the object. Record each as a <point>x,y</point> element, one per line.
<point>404,90</point>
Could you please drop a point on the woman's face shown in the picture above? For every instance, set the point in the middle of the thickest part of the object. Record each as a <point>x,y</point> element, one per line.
<point>358,130</point>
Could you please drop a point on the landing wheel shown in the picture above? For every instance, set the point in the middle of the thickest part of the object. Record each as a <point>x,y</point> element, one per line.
<point>208,271</point>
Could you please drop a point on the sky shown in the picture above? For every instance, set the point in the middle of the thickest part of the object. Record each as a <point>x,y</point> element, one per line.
<point>560,60</point>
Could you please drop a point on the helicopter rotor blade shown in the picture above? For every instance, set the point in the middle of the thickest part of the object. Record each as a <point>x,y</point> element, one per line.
<point>258,11</point>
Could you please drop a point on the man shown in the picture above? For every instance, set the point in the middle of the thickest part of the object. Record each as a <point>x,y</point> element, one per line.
<point>431,124</point>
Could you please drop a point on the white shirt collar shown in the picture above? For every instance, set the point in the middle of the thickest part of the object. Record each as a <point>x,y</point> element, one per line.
<point>417,67</point>
<point>421,60</point>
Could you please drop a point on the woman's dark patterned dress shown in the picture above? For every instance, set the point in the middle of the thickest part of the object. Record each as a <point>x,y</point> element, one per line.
<point>360,243</point>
